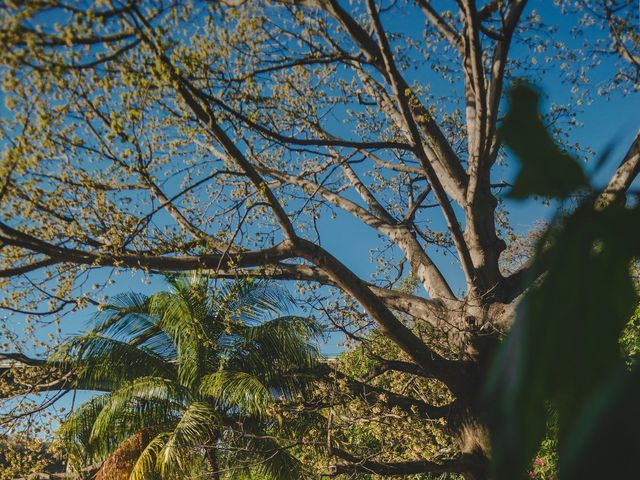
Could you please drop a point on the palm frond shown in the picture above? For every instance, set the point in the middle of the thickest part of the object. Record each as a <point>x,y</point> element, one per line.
<point>102,363</point>
<point>148,402</point>
<point>238,391</point>
<point>145,466</point>
<point>286,338</point>
<point>248,300</point>
<point>180,316</point>
<point>75,431</point>
<point>128,318</point>
<point>278,352</point>
<point>195,431</point>
<point>108,321</point>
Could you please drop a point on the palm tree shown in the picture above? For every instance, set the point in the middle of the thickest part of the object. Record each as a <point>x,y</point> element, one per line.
<point>185,371</point>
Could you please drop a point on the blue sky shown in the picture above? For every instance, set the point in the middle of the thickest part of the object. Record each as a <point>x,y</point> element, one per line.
<point>606,123</point>
<point>603,122</point>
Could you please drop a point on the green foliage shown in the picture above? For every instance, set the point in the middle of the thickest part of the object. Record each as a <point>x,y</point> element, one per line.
<point>183,370</point>
<point>563,349</point>
<point>545,463</point>
<point>389,434</point>
<point>630,339</point>
<point>22,453</point>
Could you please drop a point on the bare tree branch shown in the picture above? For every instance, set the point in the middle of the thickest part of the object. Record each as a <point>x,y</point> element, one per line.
<point>445,29</point>
<point>191,96</point>
<point>424,266</point>
<point>434,181</point>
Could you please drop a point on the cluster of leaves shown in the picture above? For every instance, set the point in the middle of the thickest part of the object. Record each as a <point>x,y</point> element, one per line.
<point>390,434</point>
<point>20,453</point>
<point>630,339</point>
<point>370,428</point>
<point>563,352</point>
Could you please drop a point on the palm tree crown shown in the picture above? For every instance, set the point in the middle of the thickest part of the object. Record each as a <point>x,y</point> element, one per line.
<point>191,378</point>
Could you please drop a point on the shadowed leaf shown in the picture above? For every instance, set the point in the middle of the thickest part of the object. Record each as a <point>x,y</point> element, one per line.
<point>545,169</point>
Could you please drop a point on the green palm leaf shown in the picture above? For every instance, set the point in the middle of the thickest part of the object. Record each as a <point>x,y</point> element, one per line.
<point>75,432</point>
<point>278,352</point>
<point>128,317</point>
<point>196,430</point>
<point>249,301</point>
<point>145,466</point>
<point>145,403</point>
<point>188,364</point>
<point>238,391</point>
<point>102,363</point>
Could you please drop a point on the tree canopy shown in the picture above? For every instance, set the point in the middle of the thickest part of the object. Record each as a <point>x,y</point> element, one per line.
<point>221,136</point>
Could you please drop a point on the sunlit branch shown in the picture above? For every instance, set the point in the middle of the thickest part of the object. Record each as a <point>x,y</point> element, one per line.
<point>445,29</point>
<point>434,180</point>
<point>192,96</point>
<point>624,175</point>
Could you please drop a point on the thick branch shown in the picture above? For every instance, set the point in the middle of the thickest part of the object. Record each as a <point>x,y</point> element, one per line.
<point>498,66</point>
<point>618,41</point>
<point>432,177</point>
<point>409,467</point>
<point>441,24</point>
<point>9,362</point>
<point>446,370</point>
<point>315,142</point>
<point>624,175</point>
<point>375,395</point>
<point>424,267</point>
<point>474,88</point>
<point>417,307</point>
<point>29,267</point>
<point>132,259</point>
<point>448,164</point>
<point>364,192</point>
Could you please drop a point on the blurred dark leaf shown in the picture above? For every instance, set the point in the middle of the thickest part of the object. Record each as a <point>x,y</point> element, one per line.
<point>605,442</point>
<point>563,351</point>
<point>546,170</point>
<point>564,346</point>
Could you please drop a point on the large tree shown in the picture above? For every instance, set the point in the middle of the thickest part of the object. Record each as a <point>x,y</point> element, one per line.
<point>178,136</point>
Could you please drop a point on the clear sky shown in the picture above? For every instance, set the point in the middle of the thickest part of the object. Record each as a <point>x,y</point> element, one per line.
<point>605,122</point>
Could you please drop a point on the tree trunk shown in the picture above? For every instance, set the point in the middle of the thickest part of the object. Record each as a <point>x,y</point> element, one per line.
<point>480,346</point>
<point>474,441</point>
<point>212,457</point>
